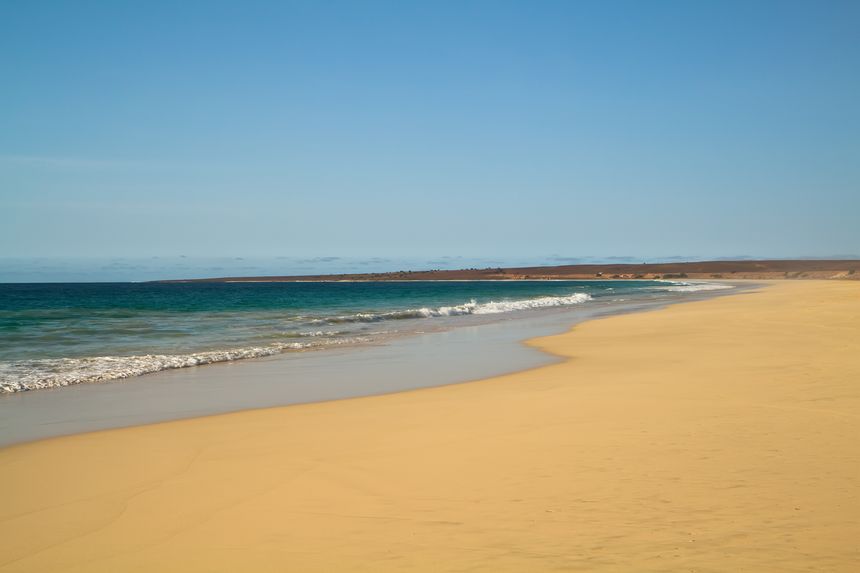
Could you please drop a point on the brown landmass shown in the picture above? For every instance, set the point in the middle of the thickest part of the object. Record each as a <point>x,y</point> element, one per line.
<point>773,269</point>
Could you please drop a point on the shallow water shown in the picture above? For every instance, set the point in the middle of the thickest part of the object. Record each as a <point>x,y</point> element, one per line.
<point>54,335</point>
<point>457,354</point>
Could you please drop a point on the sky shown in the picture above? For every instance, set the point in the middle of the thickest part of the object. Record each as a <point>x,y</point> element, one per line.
<point>156,139</point>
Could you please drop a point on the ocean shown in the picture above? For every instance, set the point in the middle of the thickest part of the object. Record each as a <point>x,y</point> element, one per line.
<point>54,335</point>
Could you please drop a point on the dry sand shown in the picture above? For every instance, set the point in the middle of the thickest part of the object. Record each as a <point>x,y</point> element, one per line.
<point>710,436</point>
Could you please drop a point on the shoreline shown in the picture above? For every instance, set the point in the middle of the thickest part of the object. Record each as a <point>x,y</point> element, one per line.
<point>710,436</point>
<point>24,368</point>
<point>440,356</point>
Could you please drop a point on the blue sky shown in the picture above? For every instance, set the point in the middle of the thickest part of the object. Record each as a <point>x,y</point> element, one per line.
<point>409,131</point>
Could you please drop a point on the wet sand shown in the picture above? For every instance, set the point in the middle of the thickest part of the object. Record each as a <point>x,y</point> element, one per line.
<point>718,435</point>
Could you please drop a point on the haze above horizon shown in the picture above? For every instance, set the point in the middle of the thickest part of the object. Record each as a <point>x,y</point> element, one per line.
<point>387,133</point>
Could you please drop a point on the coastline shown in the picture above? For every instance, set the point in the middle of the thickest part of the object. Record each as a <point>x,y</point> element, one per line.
<point>779,269</point>
<point>713,435</point>
<point>439,356</point>
<point>138,329</point>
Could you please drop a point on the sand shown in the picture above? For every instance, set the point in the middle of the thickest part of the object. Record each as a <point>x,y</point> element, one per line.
<point>719,435</point>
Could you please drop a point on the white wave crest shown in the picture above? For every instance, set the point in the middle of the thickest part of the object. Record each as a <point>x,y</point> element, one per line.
<point>20,376</point>
<point>472,307</point>
<point>695,287</point>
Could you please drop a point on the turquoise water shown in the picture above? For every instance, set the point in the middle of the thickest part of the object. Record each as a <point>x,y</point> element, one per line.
<point>60,334</point>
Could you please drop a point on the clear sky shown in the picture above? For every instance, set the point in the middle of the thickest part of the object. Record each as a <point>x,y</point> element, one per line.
<point>410,131</point>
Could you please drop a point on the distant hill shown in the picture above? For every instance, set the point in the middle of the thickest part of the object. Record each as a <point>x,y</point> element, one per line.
<point>747,269</point>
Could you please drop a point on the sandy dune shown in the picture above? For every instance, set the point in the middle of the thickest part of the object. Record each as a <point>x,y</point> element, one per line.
<point>709,436</point>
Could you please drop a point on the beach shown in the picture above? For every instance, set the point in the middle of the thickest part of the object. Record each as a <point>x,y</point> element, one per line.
<point>715,435</point>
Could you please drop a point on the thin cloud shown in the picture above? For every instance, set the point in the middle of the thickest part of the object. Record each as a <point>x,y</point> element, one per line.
<point>319,260</point>
<point>54,162</point>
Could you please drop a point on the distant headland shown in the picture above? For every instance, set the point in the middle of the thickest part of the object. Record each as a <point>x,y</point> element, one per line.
<point>740,270</point>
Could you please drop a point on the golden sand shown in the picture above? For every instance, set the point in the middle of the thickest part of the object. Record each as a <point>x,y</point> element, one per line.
<point>721,435</point>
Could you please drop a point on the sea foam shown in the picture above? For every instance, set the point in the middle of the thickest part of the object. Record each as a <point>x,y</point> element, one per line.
<point>23,375</point>
<point>695,287</point>
<point>472,307</point>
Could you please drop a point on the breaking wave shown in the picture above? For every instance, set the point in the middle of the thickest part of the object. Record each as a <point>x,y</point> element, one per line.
<point>23,375</point>
<point>471,307</point>
<point>695,287</point>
